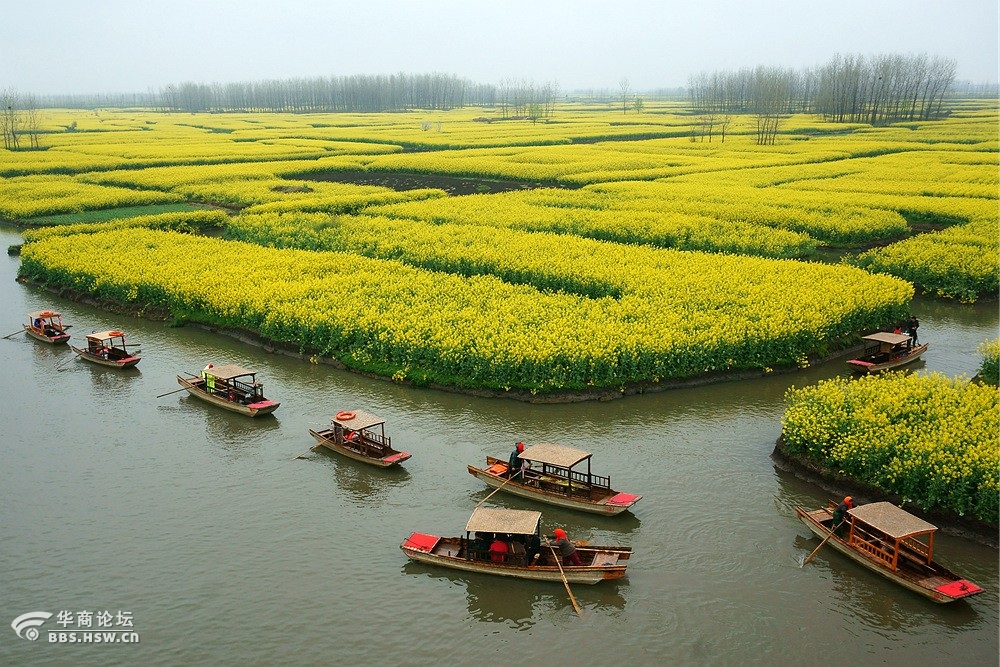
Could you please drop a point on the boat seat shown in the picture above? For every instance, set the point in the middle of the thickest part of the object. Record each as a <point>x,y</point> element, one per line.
<point>605,558</point>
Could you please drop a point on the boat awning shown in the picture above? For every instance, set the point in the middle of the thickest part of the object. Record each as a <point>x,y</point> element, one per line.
<point>891,520</point>
<point>361,421</point>
<point>556,455</point>
<point>229,371</point>
<point>44,314</point>
<point>498,520</point>
<point>105,335</point>
<point>890,338</point>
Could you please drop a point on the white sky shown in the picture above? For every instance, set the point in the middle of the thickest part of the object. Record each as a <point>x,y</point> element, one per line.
<point>107,46</point>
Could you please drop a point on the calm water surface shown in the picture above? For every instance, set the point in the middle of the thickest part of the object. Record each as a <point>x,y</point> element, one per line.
<point>227,550</point>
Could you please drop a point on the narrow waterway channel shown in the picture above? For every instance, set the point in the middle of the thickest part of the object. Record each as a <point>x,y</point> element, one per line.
<point>226,549</point>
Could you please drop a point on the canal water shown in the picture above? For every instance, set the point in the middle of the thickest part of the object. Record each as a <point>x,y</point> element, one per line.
<point>203,530</point>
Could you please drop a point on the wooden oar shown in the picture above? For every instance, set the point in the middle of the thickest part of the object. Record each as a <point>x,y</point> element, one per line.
<point>311,449</point>
<point>576,607</point>
<point>60,366</point>
<point>498,488</point>
<point>172,392</point>
<point>816,550</point>
<point>21,330</point>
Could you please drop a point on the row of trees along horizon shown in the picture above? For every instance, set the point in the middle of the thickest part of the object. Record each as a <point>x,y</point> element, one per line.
<point>876,90</point>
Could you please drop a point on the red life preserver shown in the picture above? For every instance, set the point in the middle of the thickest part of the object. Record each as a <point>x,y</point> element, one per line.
<point>345,416</point>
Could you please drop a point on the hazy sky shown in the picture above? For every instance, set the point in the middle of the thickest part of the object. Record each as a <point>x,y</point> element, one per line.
<point>103,46</point>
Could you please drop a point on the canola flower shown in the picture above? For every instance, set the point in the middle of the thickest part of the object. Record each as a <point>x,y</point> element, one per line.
<point>475,308</point>
<point>647,184</point>
<point>926,438</point>
<point>989,369</point>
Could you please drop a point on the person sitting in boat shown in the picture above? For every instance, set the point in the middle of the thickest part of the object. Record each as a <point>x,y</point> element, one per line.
<point>479,546</point>
<point>498,550</point>
<point>38,323</point>
<point>840,513</point>
<point>566,548</point>
<point>532,547</point>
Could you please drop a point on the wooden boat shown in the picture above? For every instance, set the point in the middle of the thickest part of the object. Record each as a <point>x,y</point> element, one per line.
<point>107,348</point>
<point>549,477</point>
<point>893,543</point>
<point>361,436</point>
<point>520,530</point>
<point>885,351</point>
<point>47,326</point>
<point>230,387</point>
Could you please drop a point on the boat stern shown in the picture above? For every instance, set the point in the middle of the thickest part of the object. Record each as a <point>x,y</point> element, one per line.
<point>956,590</point>
<point>420,542</point>
<point>622,501</point>
<point>396,458</point>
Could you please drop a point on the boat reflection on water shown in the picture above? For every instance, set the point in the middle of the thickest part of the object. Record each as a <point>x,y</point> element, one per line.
<point>520,604</point>
<point>232,432</point>
<point>111,385</point>
<point>364,485</point>
<point>875,602</point>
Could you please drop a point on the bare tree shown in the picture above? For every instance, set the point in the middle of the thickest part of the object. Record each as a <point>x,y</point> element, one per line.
<point>10,119</point>
<point>623,86</point>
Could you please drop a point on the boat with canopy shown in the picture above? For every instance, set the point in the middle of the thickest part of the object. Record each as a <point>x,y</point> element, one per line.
<point>557,475</point>
<point>232,388</point>
<point>359,435</point>
<point>47,326</point>
<point>525,554</point>
<point>107,348</point>
<point>893,543</point>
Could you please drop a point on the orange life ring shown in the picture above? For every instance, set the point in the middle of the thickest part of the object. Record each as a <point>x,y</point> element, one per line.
<point>345,416</point>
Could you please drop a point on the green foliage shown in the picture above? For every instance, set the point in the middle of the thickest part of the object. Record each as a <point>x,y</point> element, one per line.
<point>989,369</point>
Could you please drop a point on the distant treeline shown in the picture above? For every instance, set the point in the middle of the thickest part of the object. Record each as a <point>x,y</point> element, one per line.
<point>855,89</point>
<point>360,93</point>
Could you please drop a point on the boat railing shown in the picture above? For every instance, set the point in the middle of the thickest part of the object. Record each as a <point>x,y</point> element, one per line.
<point>593,481</point>
<point>377,439</point>
<point>917,547</point>
<point>870,543</point>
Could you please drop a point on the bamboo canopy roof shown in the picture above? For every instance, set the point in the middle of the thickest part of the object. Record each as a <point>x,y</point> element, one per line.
<point>891,520</point>
<point>556,455</point>
<point>498,520</point>
<point>106,335</point>
<point>886,337</point>
<point>361,421</point>
<point>45,314</point>
<point>229,371</point>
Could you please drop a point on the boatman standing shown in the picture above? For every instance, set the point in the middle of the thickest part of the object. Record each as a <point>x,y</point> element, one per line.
<point>840,513</point>
<point>209,379</point>
<point>514,464</point>
<point>911,329</point>
<point>566,548</point>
